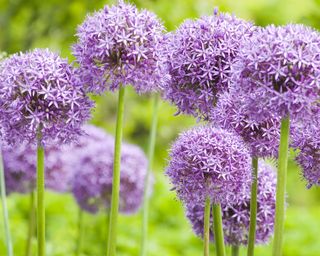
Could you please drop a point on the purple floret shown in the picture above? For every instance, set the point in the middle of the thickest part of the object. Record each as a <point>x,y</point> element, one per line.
<point>208,161</point>
<point>306,138</point>
<point>262,136</point>
<point>236,216</point>
<point>93,164</point>
<point>39,89</point>
<point>279,71</point>
<point>120,45</point>
<point>200,53</point>
<point>20,169</point>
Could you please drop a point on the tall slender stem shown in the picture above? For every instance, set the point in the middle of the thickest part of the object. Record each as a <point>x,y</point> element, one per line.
<point>253,208</point>
<point>40,198</point>
<point>112,236</point>
<point>5,209</point>
<point>31,226</point>
<point>105,230</point>
<point>218,230</point>
<point>152,142</point>
<point>80,232</point>
<point>281,186</point>
<point>235,250</point>
<point>206,227</point>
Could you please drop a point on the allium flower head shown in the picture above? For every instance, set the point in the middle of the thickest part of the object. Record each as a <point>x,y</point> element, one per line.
<point>231,113</point>
<point>200,53</point>
<point>38,89</point>
<point>208,161</point>
<point>306,138</point>
<point>121,45</point>
<point>20,169</point>
<point>279,70</point>
<point>93,164</point>
<point>236,216</point>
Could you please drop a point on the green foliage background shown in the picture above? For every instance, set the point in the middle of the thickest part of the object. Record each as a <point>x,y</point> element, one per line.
<point>25,24</point>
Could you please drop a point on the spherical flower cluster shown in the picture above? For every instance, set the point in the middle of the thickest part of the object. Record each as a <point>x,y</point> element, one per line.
<point>236,216</point>
<point>208,161</point>
<point>200,53</point>
<point>20,169</point>
<point>279,71</point>
<point>40,91</point>
<point>306,138</point>
<point>231,113</point>
<point>93,164</point>
<point>120,45</point>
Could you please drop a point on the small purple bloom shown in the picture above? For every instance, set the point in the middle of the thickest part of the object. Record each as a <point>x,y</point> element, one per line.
<point>231,113</point>
<point>208,161</point>
<point>92,161</point>
<point>40,90</point>
<point>120,45</point>
<point>20,169</point>
<point>279,71</point>
<point>236,216</point>
<point>306,138</point>
<point>200,53</point>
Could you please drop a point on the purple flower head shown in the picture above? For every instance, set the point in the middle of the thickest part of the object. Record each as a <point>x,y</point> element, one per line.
<point>208,161</point>
<point>306,138</point>
<point>262,136</point>
<point>121,45</point>
<point>93,163</point>
<point>236,216</point>
<point>279,71</point>
<point>200,53</point>
<point>40,90</point>
<point>20,169</point>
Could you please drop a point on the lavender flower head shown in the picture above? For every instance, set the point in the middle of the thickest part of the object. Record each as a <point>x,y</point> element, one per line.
<point>20,169</point>
<point>231,113</point>
<point>200,53</point>
<point>40,90</point>
<point>306,138</point>
<point>208,161</point>
<point>120,45</point>
<point>236,216</point>
<point>279,71</point>
<point>93,164</point>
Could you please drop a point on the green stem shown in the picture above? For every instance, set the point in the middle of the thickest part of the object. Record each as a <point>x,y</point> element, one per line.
<point>5,209</point>
<point>235,250</point>
<point>253,208</point>
<point>105,228</point>
<point>218,230</point>
<point>31,225</point>
<point>152,141</point>
<point>281,186</point>
<point>206,227</point>
<point>112,237</point>
<point>80,232</point>
<point>40,198</point>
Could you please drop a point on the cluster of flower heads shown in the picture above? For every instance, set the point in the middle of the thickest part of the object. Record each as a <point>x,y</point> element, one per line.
<point>119,45</point>
<point>208,161</point>
<point>92,162</point>
<point>20,169</point>
<point>236,216</point>
<point>279,71</point>
<point>40,91</point>
<point>306,138</point>
<point>262,136</point>
<point>200,53</point>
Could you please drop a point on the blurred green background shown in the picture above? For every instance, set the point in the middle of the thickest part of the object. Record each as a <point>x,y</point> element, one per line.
<point>25,24</point>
